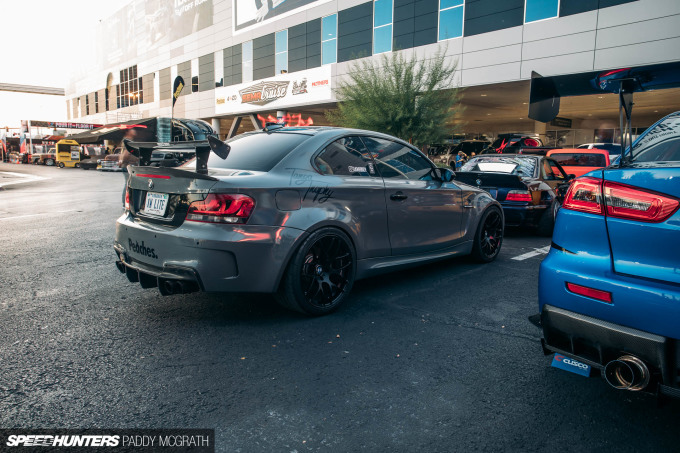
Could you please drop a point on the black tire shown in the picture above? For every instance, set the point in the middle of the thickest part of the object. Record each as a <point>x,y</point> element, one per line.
<point>61,165</point>
<point>76,165</point>
<point>320,275</point>
<point>546,223</point>
<point>489,236</point>
<point>49,162</point>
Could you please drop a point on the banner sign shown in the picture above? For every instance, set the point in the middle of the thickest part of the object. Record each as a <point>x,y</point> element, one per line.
<point>177,88</point>
<point>64,125</point>
<point>248,14</point>
<point>278,92</point>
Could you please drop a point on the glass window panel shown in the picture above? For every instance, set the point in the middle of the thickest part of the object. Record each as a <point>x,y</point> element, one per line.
<point>443,4</point>
<point>281,41</point>
<point>397,161</point>
<point>281,63</point>
<point>329,51</point>
<point>540,9</point>
<point>329,27</point>
<point>383,12</point>
<point>345,157</point>
<point>382,39</point>
<point>451,23</point>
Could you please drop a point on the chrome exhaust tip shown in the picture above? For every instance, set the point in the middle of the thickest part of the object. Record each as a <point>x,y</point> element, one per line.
<point>627,373</point>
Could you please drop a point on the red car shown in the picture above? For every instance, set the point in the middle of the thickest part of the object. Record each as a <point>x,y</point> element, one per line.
<point>578,162</point>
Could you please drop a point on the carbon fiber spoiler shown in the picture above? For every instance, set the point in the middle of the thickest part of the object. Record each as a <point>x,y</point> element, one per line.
<point>202,148</point>
<point>544,99</point>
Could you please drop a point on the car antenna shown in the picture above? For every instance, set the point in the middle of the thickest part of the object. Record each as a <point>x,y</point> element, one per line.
<point>269,127</point>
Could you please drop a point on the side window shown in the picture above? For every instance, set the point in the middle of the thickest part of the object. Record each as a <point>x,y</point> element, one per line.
<point>397,161</point>
<point>345,157</point>
<point>552,170</point>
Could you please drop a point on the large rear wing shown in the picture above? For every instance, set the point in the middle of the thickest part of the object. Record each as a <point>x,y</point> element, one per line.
<point>544,100</point>
<point>201,148</point>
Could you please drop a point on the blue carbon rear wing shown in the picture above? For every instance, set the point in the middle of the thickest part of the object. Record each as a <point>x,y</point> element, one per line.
<point>544,99</point>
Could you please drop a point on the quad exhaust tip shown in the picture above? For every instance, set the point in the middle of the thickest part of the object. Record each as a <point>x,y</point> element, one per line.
<point>627,373</point>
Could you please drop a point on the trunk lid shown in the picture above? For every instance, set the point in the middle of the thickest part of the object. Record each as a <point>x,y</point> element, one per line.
<point>172,189</point>
<point>648,249</point>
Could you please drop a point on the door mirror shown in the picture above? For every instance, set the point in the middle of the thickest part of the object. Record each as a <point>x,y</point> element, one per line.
<point>443,174</point>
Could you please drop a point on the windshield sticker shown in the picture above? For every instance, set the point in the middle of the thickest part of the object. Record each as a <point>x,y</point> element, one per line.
<point>498,167</point>
<point>662,131</point>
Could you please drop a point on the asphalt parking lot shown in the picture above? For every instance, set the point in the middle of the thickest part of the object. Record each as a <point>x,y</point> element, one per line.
<point>437,358</point>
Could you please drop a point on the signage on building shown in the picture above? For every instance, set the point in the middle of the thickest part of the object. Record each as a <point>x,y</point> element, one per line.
<point>248,14</point>
<point>561,122</point>
<point>278,92</point>
<point>64,125</point>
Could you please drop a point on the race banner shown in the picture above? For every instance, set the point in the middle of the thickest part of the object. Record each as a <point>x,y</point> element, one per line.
<point>279,92</point>
<point>177,88</point>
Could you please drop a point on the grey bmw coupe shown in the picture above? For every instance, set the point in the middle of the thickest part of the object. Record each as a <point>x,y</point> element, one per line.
<point>299,212</point>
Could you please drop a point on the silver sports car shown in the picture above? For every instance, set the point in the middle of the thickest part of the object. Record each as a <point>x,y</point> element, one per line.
<point>301,213</point>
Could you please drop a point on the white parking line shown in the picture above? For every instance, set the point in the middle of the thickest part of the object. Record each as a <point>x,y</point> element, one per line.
<point>536,252</point>
<point>35,215</point>
<point>28,178</point>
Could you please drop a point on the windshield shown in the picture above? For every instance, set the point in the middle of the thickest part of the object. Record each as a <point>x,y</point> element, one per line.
<point>257,151</point>
<point>580,159</point>
<point>520,166</point>
<point>661,143</point>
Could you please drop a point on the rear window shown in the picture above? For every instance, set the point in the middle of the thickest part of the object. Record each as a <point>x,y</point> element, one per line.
<point>580,159</point>
<point>521,166</point>
<point>661,143</point>
<point>259,151</point>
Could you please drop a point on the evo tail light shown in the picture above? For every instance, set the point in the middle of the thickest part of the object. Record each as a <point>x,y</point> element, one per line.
<point>518,195</point>
<point>221,208</point>
<point>621,201</point>
<point>585,195</point>
<point>626,202</point>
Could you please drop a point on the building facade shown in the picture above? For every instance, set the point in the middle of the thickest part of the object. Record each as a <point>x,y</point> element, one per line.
<point>283,58</point>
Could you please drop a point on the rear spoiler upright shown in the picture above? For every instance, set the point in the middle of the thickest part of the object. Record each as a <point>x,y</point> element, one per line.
<point>544,99</point>
<point>202,148</point>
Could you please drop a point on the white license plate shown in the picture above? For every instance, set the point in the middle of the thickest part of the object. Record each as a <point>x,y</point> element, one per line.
<point>155,203</point>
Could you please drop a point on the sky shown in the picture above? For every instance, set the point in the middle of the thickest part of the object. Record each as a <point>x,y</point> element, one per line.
<point>44,41</point>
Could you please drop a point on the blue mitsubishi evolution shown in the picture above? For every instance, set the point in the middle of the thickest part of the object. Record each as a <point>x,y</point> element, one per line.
<point>609,290</point>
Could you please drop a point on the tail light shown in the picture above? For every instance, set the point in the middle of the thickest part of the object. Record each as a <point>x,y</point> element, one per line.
<point>620,201</point>
<point>221,208</point>
<point>604,296</point>
<point>626,202</point>
<point>585,195</point>
<point>127,200</point>
<point>518,195</point>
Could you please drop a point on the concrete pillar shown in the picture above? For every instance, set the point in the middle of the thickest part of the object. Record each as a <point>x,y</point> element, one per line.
<point>216,125</point>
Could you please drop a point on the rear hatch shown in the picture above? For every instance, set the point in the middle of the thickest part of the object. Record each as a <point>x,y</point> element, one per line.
<point>644,226</point>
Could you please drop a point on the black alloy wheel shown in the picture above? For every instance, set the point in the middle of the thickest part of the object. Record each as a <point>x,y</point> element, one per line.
<point>489,236</point>
<point>320,275</point>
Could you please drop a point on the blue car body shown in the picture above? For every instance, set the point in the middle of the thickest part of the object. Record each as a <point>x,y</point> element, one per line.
<point>610,287</point>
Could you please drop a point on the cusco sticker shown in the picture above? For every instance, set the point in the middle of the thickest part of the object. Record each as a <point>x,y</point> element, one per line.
<point>565,363</point>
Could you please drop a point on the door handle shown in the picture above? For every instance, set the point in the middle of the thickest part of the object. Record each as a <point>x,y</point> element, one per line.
<point>399,196</point>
